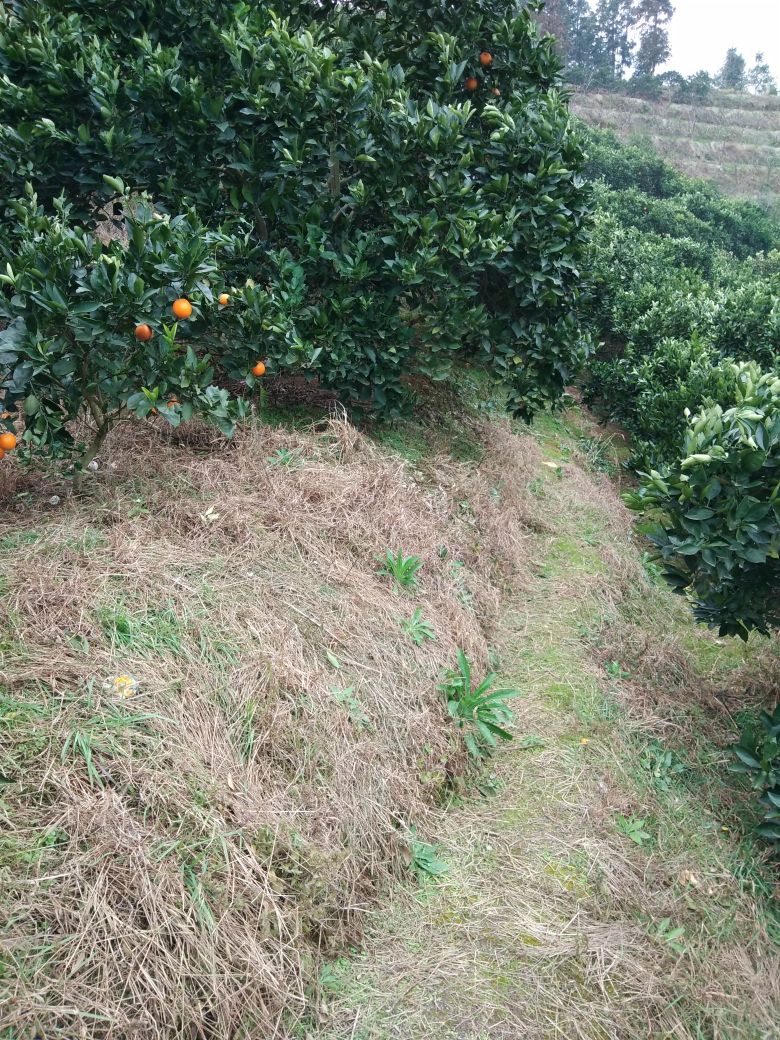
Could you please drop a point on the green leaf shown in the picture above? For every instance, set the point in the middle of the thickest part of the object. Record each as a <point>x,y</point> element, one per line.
<point>114,182</point>
<point>746,757</point>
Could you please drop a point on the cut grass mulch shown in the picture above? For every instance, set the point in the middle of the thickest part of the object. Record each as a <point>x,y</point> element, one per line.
<point>195,861</point>
<point>176,864</point>
<point>603,890</point>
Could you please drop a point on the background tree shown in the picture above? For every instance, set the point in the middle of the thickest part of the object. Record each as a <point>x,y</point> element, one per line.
<point>760,78</point>
<point>554,19</point>
<point>585,51</point>
<point>616,19</point>
<point>699,85</point>
<point>732,74</point>
<point>653,17</point>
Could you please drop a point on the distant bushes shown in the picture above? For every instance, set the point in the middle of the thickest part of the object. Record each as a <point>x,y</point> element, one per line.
<point>741,227</point>
<point>650,392</point>
<point>683,282</point>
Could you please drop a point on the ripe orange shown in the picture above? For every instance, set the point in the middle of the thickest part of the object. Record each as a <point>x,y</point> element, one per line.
<point>224,299</point>
<point>496,91</point>
<point>485,59</point>
<point>182,308</point>
<point>7,441</point>
<point>259,369</point>
<point>143,332</point>
<point>471,83</point>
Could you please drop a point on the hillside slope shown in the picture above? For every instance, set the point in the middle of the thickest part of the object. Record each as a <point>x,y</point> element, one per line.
<point>191,861</point>
<point>593,891</point>
<point>732,140</point>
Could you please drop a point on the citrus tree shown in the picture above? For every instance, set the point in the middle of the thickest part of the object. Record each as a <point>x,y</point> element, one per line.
<point>102,331</point>
<point>403,178</point>
<point>716,512</point>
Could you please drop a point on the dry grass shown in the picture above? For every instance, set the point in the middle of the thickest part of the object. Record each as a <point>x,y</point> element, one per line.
<point>551,921</point>
<point>183,863</point>
<point>733,140</point>
<point>177,863</point>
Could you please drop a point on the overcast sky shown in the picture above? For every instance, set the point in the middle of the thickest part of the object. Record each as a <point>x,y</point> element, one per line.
<point>703,30</point>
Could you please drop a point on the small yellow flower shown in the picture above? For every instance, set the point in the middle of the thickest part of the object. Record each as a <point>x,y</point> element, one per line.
<point>584,742</point>
<point>124,685</point>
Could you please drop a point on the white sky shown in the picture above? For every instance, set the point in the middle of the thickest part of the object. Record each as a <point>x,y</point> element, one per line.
<point>703,30</point>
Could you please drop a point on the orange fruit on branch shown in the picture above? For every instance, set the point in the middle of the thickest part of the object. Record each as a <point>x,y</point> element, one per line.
<point>7,441</point>
<point>471,83</point>
<point>485,59</point>
<point>143,332</point>
<point>259,369</point>
<point>224,299</point>
<point>182,308</point>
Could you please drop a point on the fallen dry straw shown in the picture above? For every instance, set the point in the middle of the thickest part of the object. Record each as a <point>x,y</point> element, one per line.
<point>175,864</point>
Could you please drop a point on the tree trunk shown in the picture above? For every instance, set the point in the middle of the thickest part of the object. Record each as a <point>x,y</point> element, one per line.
<point>89,454</point>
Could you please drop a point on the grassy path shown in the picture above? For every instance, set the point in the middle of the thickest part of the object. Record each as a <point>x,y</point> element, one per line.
<point>232,827</point>
<point>593,890</point>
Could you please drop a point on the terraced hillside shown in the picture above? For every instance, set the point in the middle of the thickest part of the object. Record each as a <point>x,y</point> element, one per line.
<point>732,140</point>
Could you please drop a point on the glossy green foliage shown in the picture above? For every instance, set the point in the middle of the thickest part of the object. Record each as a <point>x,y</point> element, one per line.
<point>675,296</point>
<point>649,392</point>
<point>400,221</point>
<point>71,306</point>
<point>757,756</point>
<point>716,512</point>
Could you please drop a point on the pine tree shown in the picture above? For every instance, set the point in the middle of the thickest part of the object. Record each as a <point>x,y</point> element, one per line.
<point>732,74</point>
<point>760,77</point>
<point>653,17</point>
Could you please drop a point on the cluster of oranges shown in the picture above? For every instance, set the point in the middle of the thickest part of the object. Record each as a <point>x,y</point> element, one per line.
<point>472,83</point>
<point>182,309</point>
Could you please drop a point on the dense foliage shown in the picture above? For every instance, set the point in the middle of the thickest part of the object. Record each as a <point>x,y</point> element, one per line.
<point>718,508</point>
<point>392,197</point>
<point>757,756</point>
<point>684,281</point>
<point>685,296</point>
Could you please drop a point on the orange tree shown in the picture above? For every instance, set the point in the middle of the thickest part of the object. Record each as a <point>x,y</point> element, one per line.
<point>391,218</point>
<point>92,331</point>
<point>715,513</point>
